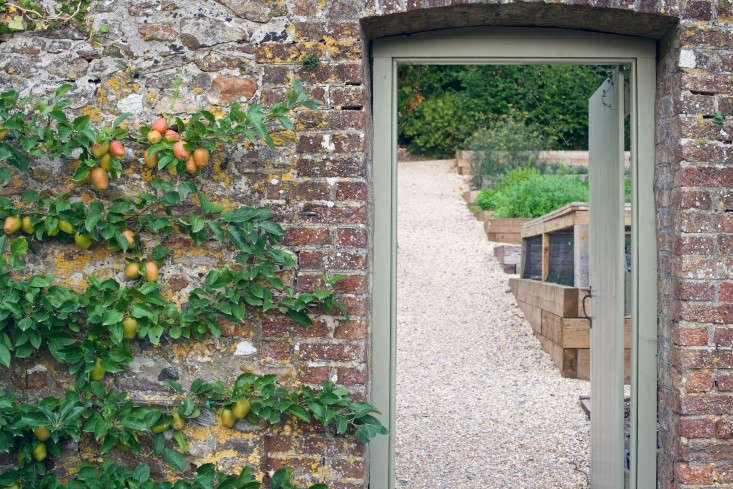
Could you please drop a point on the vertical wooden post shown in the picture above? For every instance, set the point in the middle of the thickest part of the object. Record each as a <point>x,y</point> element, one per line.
<point>580,255</point>
<point>545,256</point>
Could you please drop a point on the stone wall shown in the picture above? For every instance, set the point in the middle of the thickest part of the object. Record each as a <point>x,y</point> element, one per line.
<point>163,56</point>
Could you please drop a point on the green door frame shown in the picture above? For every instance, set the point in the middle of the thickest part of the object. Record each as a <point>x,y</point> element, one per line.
<point>487,45</point>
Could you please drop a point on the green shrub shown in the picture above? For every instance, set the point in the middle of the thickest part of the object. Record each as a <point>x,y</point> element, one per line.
<point>539,195</point>
<point>485,199</point>
<point>553,98</point>
<point>507,144</point>
<point>440,124</point>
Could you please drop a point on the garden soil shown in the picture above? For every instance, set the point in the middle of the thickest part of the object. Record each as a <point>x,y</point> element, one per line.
<point>479,404</point>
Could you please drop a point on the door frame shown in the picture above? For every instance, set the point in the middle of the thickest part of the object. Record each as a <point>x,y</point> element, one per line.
<point>493,45</point>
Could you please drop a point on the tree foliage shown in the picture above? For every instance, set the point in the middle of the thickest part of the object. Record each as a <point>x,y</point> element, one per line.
<point>441,105</point>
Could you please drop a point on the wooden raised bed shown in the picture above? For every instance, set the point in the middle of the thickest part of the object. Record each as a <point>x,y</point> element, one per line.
<point>554,280</point>
<point>555,313</point>
<point>505,229</point>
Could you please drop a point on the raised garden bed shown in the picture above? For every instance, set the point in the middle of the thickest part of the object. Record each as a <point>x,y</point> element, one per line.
<point>554,280</point>
<point>505,229</point>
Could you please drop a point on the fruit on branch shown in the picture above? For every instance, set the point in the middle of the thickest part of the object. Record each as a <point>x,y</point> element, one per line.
<point>191,166</point>
<point>98,371</point>
<point>132,271</point>
<point>106,162</point>
<point>150,272</point>
<point>180,152</point>
<point>154,137</point>
<point>241,408</point>
<point>65,226</point>
<point>151,160</point>
<point>130,237</point>
<point>172,136</point>
<point>4,134</point>
<point>201,157</point>
<point>12,224</point>
<point>39,452</point>
<point>178,422</point>
<point>129,328</point>
<point>227,418</point>
<point>83,240</point>
<point>99,149</point>
<point>42,433</point>
<point>100,179</point>
<point>28,227</point>
<point>160,125</point>
<point>116,149</point>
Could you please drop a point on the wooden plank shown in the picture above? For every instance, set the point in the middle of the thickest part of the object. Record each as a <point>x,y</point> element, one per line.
<point>533,315</point>
<point>583,365</point>
<point>557,299</point>
<point>580,255</point>
<point>545,256</point>
<point>552,327</point>
<point>507,254</point>
<point>556,353</point>
<point>575,333</point>
<point>569,367</point>
<point>504,238</point>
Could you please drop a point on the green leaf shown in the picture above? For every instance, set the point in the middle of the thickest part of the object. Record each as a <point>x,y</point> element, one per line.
<point>4,355</point>
<point>60,91</point>
<point>141,473</point>
<point>41,281</point>
<point>19,246</point>
<point>121,118</point>
<point>112,317</point>
<point>159,253</point>
<point>197,223</point>
<point>300,317</point>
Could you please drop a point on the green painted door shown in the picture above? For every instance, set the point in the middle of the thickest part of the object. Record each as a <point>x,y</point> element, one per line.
<point>606,170</point>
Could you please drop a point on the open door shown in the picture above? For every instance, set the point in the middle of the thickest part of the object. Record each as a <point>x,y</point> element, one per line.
<point>606,173</point>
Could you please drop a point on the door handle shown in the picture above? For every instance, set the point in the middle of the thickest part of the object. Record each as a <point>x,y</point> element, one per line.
<point>589,295</point>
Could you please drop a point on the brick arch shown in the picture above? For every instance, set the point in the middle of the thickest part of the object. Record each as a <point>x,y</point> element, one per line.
<point>627,18</point>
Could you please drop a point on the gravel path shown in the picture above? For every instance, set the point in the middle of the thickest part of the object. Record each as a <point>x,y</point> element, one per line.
<point>479,404</point>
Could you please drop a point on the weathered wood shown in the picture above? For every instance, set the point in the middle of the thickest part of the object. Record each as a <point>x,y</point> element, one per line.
<point>557,299</point>
<point>552,327</point>
<point>580,255</point>
<point>575,333</point>
<point>512,238</point>
<point>545,256</point>
<point>507,254</point>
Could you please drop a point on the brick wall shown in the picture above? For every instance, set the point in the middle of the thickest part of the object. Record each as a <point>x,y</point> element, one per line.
<point>318,183</point>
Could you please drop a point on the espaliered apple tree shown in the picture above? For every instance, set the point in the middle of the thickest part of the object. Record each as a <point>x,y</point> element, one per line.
<point>90,332</point>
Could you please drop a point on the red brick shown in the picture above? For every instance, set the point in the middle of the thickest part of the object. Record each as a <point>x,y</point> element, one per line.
<point>313,375</point>
<point>723,474</point>
<point>348,97</point>
<point>692,290</point>
<point>696,427</point>
<point>695,245</point>
<point>306,236</point>
<point>699,381</point>
<point>691,336</point>
<point>331,352</point>
<point>346,167</point>
<point>352,237</point>
<point>688,358</point>
<point>695,176</point>
<point>279,326</point>
<point>695,474</point>
<point>350,330</point>
<point>351,191</point>
<point>351,376</point>
<point>276,350</point>
<point>706,404</point>
<point>726,292</point>
<point>724,427</point>
<point>342,260</point>
<point>310,190</point>
<point>723,337</point>
<point>724,382</point>
<point>348,469</point>
<point>696,222</point>
<point>695,200</point>
<point>352,284</point>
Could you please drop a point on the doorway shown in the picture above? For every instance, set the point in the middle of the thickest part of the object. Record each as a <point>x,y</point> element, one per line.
<point>525,46</point>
